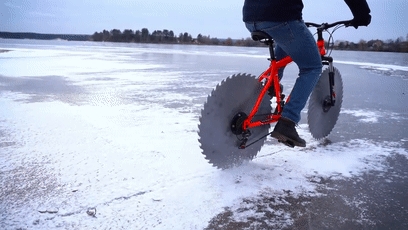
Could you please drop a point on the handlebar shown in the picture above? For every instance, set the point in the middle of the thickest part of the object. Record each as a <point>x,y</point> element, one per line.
<point>325,26</point>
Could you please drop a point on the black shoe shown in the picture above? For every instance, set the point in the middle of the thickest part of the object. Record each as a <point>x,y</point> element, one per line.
<point>271,90</point>
<point>285,132</point>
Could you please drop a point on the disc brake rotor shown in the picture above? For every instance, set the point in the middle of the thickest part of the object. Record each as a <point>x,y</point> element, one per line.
<point>321,119</point>
<point>237,94</point>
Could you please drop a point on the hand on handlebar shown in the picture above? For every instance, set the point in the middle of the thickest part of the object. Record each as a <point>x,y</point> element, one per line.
<point>361,21</point>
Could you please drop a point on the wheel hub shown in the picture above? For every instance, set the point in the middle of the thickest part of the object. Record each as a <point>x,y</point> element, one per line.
<point>237,123</point>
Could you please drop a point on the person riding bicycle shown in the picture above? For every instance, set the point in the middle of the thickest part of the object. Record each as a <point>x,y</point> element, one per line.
<point>282,20</point>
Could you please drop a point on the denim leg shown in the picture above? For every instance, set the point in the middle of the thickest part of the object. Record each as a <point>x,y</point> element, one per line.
<point>295,39</point>
<point>279,54</point>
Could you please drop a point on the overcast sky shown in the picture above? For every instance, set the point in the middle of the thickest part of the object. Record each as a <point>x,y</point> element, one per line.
<point>217,18</point>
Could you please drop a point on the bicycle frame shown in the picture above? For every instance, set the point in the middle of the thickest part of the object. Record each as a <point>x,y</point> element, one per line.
<point>271,77</point>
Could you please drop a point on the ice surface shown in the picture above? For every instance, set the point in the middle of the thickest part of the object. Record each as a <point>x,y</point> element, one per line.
<point>123,146</point>
<point>368,65</point>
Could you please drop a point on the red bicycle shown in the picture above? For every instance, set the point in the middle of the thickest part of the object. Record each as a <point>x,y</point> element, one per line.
<point>236,117</point>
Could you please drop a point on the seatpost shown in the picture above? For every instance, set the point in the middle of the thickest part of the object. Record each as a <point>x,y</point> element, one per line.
<point>271,50</point>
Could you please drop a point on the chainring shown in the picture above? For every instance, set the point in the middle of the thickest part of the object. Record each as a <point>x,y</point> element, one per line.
<point>322,122</point>
<point>238,93</point>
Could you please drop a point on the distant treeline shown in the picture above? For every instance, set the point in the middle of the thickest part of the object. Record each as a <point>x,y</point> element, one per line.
<point>169,37</point>
<point>397,45</point>
<point>69,37</point>
<point>157,36</point>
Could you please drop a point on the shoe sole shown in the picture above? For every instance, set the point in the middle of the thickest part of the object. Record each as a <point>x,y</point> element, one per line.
<point>286,140</point>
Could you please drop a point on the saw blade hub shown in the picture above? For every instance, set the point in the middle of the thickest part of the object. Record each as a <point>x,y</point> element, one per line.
<point>327,104</point>
<point>237,123</point>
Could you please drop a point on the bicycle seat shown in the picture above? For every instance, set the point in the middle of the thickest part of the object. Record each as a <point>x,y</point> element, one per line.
<point>260,35</point>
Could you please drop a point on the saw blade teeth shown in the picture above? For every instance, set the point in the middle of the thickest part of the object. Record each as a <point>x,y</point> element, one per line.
<point>219,145</point>
<point>322,123</point>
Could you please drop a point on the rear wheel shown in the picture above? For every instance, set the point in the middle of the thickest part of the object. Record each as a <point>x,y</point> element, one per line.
<point>221,120</point>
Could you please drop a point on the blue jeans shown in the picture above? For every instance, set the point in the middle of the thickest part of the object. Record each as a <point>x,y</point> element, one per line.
<point>293,38</point>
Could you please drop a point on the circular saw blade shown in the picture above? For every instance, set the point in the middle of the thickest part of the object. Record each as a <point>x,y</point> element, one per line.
<point>237,93</point>
<point>321,123</point>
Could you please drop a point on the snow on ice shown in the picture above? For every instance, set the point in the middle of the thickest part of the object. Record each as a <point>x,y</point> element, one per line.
<point>120,149</point>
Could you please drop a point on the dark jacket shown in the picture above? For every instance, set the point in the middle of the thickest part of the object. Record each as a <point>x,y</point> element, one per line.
<point>287,10</point>
<point>272,10</point>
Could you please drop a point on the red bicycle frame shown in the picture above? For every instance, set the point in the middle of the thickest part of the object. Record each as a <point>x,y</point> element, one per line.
<point>271,76</point>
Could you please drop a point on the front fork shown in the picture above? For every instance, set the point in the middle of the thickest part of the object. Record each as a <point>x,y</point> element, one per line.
<point>330,100</point>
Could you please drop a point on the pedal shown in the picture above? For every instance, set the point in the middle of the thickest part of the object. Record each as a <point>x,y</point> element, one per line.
<point>242,145</point>
<point>244,140</point>
<point>288,143</point>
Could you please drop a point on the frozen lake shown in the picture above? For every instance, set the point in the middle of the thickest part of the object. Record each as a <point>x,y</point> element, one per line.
<point>113,128</point>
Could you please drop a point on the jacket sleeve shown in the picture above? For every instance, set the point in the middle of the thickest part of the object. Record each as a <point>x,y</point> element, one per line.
<point>359,8</point>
